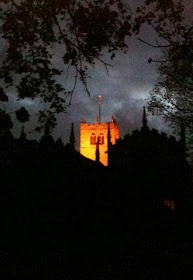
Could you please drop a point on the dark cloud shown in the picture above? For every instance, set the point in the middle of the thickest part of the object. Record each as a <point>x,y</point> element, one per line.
<point>124,92</point>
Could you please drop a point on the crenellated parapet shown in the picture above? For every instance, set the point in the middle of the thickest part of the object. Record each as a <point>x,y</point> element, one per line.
<point>148,145</point>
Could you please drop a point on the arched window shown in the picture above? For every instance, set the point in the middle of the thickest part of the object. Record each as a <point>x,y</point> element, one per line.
<point>101,138</point>
<point>93,139</point>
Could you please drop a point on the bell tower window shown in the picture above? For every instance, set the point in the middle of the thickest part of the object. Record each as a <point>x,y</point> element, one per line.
<point>93,139</point>
<point>101,139</point>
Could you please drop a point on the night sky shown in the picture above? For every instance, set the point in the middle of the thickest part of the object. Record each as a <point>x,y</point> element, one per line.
<point>124,92</point>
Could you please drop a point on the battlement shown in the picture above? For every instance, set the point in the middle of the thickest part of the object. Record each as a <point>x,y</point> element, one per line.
<point>85,124</point>
<point>154,131</point>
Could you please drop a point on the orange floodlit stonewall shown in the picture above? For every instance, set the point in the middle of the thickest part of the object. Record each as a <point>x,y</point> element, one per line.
<point>93,132</point>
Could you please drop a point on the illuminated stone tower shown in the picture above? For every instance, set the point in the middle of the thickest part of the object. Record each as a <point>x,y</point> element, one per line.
<point>92,133</point>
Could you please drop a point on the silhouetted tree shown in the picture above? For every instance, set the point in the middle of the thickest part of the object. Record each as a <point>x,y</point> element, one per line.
<point>34,30</point>
<point>172,96</point>
<point>5,117</point>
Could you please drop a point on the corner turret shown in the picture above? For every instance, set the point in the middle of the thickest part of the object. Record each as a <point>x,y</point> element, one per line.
<point>72,137</point>
<point>97,151</point>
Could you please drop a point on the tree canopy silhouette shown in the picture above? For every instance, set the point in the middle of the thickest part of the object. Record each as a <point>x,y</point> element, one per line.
<point>173,93</point>
<point>34,30</point>
<point>81,31</point>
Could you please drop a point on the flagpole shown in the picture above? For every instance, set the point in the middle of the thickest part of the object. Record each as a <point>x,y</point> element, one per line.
<point>100,98</point>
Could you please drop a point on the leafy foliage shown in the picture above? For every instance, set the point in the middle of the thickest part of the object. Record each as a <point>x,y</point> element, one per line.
<point>5,121</point>
<point>22,115</point>
<point>173,93</point>
<point>34,29</point>
<point>3,96</point>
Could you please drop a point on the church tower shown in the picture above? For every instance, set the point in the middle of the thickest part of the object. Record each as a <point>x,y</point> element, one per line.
<point>92,133</point>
